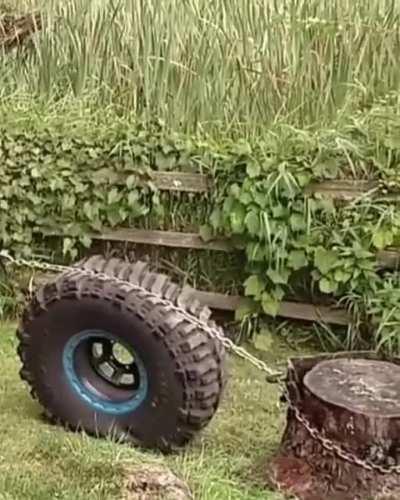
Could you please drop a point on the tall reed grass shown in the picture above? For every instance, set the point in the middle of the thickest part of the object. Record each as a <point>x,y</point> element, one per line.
<point>236,64</point>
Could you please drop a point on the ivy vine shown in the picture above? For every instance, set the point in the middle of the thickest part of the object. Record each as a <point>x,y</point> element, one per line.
<point>296,243</point>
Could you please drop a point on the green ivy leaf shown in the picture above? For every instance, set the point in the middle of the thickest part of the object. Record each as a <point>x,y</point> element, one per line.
<point>130,181</point>
<point>341,276</point>
<point>252,222</point>
<point>133,198</point>
<point>35,173</point>
<point>270,304</point>
<point>328,286</point>
<point>216,219</point>
<point>279,211</point>
<point>245,198</point>
<point>325,260</point>
<point>297,222</point>
<point>237,216</point>
<point>68,245</point>
<point>253,286</point>
<point>303,179</point>
<point>253,169</point>
<point>235,191</point>
<point>206,232</point>
<point>86,241</point>
<point>255,252</point>
<point>278,277</point>
<point>297,259</point>
<point>382,238</point>
<point>113,196</point>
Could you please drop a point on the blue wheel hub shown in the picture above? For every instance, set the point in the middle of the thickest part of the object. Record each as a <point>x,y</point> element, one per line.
<point>105,372</point>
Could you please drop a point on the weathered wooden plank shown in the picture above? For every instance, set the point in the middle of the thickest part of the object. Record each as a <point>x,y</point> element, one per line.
<point>387,259</point>
<point>200,183</point>
<point>180,181</point>
<point>222,302</point>
<point>292,310</point>
<point>163,238</point>
<point>345,190</point>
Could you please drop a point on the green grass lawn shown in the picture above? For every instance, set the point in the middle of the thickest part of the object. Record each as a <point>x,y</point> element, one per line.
<point>41,461</point>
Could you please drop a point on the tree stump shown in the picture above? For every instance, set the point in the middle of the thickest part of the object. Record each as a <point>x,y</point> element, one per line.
<point>342,436</point>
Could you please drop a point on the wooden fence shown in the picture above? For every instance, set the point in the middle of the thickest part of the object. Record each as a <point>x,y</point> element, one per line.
<point>198,183</point>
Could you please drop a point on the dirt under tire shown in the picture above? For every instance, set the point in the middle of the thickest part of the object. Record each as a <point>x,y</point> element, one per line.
<point>121,359</point>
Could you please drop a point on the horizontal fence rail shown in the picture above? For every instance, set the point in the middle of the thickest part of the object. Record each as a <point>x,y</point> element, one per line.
<point>345,190</point>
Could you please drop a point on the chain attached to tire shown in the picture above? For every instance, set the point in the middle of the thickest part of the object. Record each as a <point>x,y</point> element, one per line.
<point>272,376</point>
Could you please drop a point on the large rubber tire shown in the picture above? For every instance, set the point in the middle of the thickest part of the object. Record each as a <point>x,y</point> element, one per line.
<point>182,365</point>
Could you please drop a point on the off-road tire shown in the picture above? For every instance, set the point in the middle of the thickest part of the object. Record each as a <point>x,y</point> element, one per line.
<point>185,364</point>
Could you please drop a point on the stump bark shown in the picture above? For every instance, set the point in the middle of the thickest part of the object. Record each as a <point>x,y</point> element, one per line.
<point>342,436</point>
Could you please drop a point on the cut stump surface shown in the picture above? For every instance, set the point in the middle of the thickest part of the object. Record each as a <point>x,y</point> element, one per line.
<point>362,386</point>
<point>347,439</point>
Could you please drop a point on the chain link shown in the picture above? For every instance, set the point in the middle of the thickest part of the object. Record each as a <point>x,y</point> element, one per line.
<point>335,448</point>
<point>273,376</point>
<point>213,332</point>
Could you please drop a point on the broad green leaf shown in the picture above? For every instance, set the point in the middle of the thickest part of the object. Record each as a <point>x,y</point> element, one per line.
<point>216,219</point>
<point>68,245</point>
<point>86,241</point>
<point>303,179</point>
<point>113,196</point>
<point>382,238</point>
<point>260,198</point>
<point>253,169</point>
<point>252,222</point>
<point>206,232</point>
<point>237,216</point>
<point>279,211</point>
<point>270,304</point>
<point>297,222</point>
<point>255,252</point>
<point>297,259</point>
<point>235,191</point>
<point>341,276</point>
<point>133,198</point>
<point>245,198</point>
<point>130,181</point>
<point>278,293</point>
<point>253,286</point>
<point>325,260</point>
<point>328,286</point>
<point>35,173</point>
<point>228,204</point>
<point>278,277</point>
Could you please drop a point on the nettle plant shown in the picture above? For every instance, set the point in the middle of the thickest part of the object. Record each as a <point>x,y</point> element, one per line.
<point>291,236</point>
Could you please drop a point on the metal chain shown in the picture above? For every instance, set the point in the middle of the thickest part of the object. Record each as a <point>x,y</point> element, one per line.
<point>273,376</point>
<point>335,448</point>
<point>212,332</point>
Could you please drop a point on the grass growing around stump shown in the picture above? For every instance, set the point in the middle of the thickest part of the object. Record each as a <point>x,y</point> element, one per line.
<point>40,461</point>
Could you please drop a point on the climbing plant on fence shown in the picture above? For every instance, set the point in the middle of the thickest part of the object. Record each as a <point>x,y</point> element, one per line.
<point>293,241</point>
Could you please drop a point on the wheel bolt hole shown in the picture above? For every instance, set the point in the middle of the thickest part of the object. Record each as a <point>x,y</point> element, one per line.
<point>107,369</point>
<point>122,355</point>
<point>97,350</point>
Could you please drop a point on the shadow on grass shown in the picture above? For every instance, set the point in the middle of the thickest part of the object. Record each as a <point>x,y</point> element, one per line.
<point>43,461</point>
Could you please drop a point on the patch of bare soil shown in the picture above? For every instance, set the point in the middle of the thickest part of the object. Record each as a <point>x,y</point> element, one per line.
<point>152,482</point>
